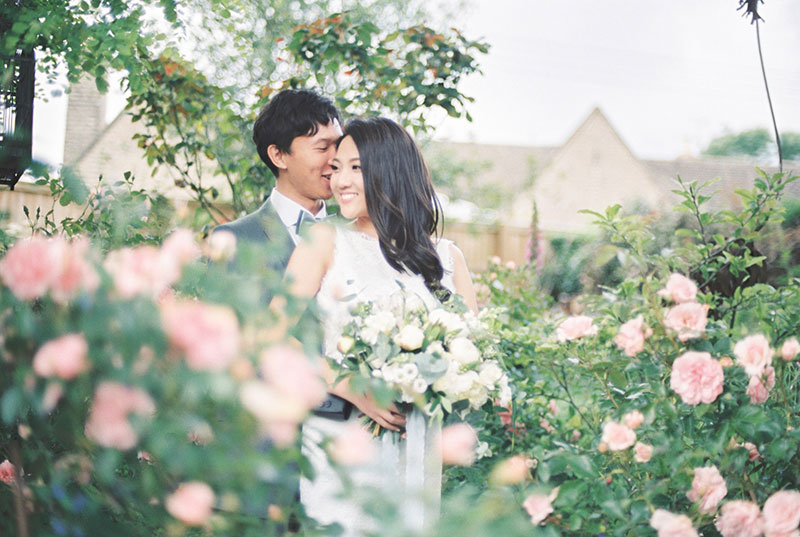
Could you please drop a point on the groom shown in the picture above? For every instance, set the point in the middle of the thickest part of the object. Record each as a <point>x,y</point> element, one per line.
<point>295,135</point>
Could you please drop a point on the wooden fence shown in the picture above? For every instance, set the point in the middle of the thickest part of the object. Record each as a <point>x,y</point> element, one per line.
<point>479,242</point>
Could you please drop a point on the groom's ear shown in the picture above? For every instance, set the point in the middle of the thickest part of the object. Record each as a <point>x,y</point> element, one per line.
<point>277,157</point>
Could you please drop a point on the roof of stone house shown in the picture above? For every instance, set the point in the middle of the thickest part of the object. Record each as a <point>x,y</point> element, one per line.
<point>734,173</point>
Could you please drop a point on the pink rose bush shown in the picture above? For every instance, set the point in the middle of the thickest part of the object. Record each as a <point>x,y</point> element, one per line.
<point>618,436</point>
<point>64,357</point>
<point>740,518</point>
<point>696,378</point>
<point>669,524</point>
<point>708,488</point>
<point>781,514</point>
<point>642,452</point>
<point>679,289</point>
<point>753,354</point>
<point>191,503</point>
<point>632,335</point>
<point>7,472</point>
<point>789,349</point>
<point>633,419</point>
<point>759,386</point>
<point>108,424</point>
<point>206,334</point>
<point>575,327</point>
<point>687,319</point>
<point>539,506</point>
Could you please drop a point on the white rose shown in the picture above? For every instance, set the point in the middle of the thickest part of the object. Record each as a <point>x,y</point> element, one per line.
<point>478,396</point>
<point>419,385</point>
<point>345,344</point>
<point>450,321</point>
<point>410,338</point>
<point>489,373</point>
<point>407,373</point>
<point>504,397</point>
<point>464,351</point>
<point>383,321</point>
<point>435,348</point>
<point>369,335</point>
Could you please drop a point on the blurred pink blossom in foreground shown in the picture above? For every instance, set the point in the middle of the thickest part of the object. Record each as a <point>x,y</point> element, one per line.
<point>63,357</point>
<point>458,444</point>
<point>108,423</point>
<point>697,378</point>
<point>354,446</point>
<point>207,334</point>
<point>191,503</point>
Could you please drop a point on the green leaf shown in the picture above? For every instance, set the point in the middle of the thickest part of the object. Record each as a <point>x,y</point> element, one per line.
<point>11,404</point>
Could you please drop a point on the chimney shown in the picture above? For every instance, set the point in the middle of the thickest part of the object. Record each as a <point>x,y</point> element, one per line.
<point>86,119</point>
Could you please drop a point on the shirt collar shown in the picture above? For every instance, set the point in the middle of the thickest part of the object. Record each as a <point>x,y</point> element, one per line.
<point>288,209</point>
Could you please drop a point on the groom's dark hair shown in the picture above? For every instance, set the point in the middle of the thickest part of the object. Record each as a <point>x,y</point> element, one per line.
<point>289,114</point>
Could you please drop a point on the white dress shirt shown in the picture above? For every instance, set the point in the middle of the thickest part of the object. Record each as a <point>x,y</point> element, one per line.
<point>289,211</point>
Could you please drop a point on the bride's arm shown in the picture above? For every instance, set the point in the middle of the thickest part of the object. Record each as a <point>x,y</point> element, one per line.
<point>462,279</point>
<point>307,267</point>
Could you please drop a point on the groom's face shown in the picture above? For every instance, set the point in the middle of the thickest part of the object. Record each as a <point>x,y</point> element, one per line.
<point>307,172</point>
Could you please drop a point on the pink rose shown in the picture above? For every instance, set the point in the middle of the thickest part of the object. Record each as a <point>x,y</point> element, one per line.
<point>538,506</point>
<point>752,451</point>
<point>633,419</point>
<point>642,452</point>
<point>354,446</point>
<point>760,385</point>
<point>7,475</point>
<point>575,327</point>
<point>739,518</point>
<point>753,354</point>
<point>544,424</point>
<point>781,513</point>
<point>511,471</point>
<point>76,273</point>
<point>631,336</point>
<point>207,334</point>
<point>143,270</point>
<point>789,349</point>
<point>277,413</point>
<point>708,488</point>
<point>191,503</point>
<point>31,266</point>
<point>671,525</point>
<point>552,407</point>
<point>458,444</point>
<point>618,436</point>
<point>181,246</point>
<point>52,395</point>
<point>108,423</point>
<point>64,357</point>
<point>679,289</point>
<point>687,319</point>
<point>697,378</point>
<point>291,372</point>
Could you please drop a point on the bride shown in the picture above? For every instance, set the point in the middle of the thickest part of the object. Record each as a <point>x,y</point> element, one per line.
<point>382,185</point>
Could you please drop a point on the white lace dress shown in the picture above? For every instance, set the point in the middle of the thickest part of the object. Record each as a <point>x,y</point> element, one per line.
<point>410,470</point>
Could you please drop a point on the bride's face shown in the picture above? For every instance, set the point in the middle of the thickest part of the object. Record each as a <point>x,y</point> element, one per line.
<point>346,180</point>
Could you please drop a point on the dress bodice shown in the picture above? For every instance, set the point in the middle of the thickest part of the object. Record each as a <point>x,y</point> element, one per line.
<point>360,273</point>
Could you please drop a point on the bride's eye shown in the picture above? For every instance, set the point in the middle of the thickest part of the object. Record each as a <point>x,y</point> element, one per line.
<point>334,167</point>
<point>356,166</point>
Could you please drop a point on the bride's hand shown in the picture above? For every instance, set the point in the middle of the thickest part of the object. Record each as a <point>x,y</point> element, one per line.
<point>389,418</point>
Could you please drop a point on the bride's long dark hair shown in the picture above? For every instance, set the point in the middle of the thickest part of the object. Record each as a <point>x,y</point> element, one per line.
<point>400,198</point>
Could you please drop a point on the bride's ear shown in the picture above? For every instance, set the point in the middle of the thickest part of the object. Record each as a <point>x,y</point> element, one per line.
<point>277,157</point>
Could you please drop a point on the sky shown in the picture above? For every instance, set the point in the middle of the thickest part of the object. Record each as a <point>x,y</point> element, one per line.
<point>670,75</point>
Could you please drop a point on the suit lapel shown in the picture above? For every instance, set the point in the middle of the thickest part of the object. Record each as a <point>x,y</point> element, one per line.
<point>276,233</point>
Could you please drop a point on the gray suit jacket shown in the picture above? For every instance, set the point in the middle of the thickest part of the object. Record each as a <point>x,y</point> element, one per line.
<point>262,226</point>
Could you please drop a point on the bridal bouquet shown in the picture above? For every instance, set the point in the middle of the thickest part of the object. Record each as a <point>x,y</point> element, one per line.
<point>438,360</point>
